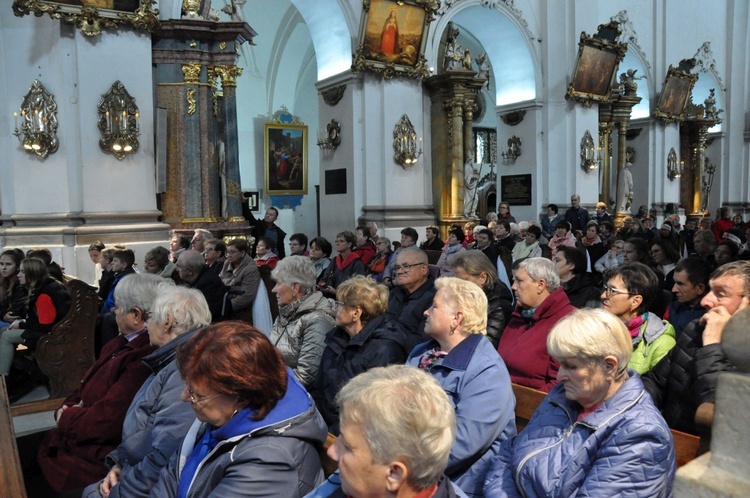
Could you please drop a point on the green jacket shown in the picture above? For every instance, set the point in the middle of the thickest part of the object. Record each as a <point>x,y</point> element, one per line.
<point>653,342</point>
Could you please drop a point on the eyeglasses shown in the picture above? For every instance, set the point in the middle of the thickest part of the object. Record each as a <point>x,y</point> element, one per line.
<point>406,268</point>
<point>209,249</point>
<point>608,290</point>
<point>232,252</point>
<point>337,305</point>
<point>198,400</point>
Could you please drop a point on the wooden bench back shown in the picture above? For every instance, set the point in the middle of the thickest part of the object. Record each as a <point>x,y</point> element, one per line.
<point>66,353</point>
<point>11,476</point>
<point>687,446</point>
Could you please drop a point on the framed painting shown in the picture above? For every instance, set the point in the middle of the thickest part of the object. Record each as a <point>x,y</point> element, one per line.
<point>393,36</point>
<point>596,65</point>
<point>675,93</point>
<point>91,16</point>
<point>285,147</point>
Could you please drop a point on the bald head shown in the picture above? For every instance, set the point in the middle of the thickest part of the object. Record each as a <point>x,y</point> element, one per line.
<point>190,264</point>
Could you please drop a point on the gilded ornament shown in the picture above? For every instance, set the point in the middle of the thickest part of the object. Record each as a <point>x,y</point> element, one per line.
<point>192,73</point>
<point>191,100</point>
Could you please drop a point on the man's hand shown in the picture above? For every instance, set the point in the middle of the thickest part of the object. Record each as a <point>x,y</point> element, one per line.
<point>714,322</point>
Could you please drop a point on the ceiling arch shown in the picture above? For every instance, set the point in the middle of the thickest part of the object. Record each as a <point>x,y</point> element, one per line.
<point>507,45</point>
<point>332,25</point>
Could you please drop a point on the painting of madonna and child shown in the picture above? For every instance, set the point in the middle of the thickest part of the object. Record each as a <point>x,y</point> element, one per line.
<point>286,159</point>
<point>394,32</point>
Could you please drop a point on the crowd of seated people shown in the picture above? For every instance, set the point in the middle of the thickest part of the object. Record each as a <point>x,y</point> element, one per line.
<point>174,406</point>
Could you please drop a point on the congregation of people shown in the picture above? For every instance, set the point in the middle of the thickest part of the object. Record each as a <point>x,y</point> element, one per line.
<point>403,354</point>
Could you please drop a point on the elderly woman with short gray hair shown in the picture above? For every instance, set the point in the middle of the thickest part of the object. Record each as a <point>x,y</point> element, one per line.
<point>467,366</point>
<point>597,433</point>
<point>305,316</point>
<point>156,419</point>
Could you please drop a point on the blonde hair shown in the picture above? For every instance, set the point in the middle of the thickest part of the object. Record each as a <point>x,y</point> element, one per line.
<point>404,414</point>
<point>591,335</point>
<point>468,298</point>
<point>364,292</point>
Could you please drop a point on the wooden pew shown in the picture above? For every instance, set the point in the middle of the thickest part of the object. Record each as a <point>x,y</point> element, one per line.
<point>66,353</point>
<point>687,446</point>
<point>11,476</point>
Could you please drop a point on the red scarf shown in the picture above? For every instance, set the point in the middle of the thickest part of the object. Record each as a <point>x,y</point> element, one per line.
<point>343,263</point>
<point>634,326</point>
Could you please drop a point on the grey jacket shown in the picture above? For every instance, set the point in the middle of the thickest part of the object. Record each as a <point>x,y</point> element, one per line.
<point>154,425</point>
<point>277,460</point>
<point>300,331</point>
<point>245,278</point>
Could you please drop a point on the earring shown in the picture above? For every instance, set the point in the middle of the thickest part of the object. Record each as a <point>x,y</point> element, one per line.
<point>453,330</point>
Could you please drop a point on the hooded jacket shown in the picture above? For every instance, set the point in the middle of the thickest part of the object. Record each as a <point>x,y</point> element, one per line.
<point>654,340</point>
<point>299,332</point>
<point>623,448</point>
<point>273,457</point>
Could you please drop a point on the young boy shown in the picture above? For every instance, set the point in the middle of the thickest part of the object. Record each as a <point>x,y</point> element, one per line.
<point>122,264</point>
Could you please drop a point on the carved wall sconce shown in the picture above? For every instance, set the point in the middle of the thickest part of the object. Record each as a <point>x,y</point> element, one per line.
<point>332,96</point>
<point>118,122</point>
<point>674,169</point>
<point>513,151</point>
<point>330,138</point>
<point>589,159</point>
<point>405,143</point>
<point>38,133</point>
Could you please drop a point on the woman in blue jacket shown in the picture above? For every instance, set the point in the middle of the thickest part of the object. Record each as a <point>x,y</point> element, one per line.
<point>473,375</point>
<point>597,433</point>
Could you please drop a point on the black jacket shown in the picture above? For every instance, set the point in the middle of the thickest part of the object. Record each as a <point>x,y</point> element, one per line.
<point>378,344</point>
<point>213,289</point>
<point>686,378</point>
<point>583,291</point>
<point>16,302</point>
<point>33,330</point>
<point>260,228</point>
<point>408,311</point>
<point>436,245</point>
<point>499,309</point>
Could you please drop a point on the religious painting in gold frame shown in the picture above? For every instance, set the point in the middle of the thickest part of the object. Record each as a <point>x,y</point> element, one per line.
<point>393,36</point>
<point>596,65</point>
<point>675,93</point>
<point>285,147</point>
<point>91,16</point>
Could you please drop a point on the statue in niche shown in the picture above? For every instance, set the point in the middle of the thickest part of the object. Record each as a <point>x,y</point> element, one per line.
<point>710,104</point>
<point>471,181</point>
<point>234,10</point>
<point>484,69</point>
<point>625,189</point>
<point>456,56</point>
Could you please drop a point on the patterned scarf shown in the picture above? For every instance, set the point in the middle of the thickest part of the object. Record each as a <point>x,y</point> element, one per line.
<point>432,357</point>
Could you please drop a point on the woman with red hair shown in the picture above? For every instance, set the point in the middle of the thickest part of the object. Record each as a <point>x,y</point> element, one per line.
<point>256,427</point>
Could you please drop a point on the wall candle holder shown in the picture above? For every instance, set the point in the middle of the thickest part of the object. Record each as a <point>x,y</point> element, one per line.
<point>513,151</point>
<point>405,143</point>
<point>330,138</point>
<point>589,156</point>
<point>118,122</point>
<point>38,133</point>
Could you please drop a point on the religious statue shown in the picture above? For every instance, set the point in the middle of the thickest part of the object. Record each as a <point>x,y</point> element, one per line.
<point>455,55</point>
<point>484,69</point>
<point>234,9</point>
<point>625,189</point>
<point>471,181</point>
<point>710,104</point>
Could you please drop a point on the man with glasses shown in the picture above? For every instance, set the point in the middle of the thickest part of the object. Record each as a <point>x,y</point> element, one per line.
<point>412,295</point>
<point>215,254</point>
<point>686,377</point>
<point>409,238</point>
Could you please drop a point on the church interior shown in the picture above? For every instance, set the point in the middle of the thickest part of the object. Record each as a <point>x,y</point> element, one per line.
<point>127,121</point>
<point>210,86</point>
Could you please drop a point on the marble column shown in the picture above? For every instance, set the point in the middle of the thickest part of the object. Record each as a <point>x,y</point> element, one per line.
<point>196,77</point>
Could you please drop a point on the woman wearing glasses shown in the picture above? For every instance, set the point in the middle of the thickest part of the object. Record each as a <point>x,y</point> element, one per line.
<point>628,294</point>
<point>156,419</point>
<point>256,431</point>
<point>215,252</point>
<point>362,339</point>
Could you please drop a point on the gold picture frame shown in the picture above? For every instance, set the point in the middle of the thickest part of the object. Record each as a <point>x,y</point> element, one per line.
<point>393,37</point>
<point>285,147</point>
<point>673,100</point>
<point>91,16</point>
<point>598,58</point>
